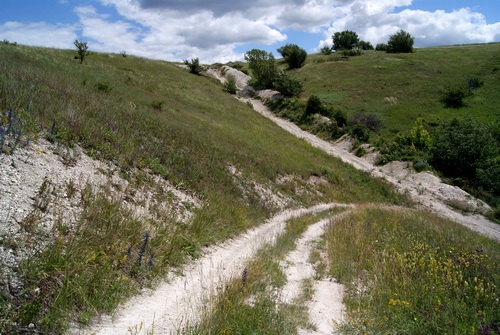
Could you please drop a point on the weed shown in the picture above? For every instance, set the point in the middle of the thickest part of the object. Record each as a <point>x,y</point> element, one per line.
<point>158,104</point>
<point>103,87</point>
<point>11,130</point>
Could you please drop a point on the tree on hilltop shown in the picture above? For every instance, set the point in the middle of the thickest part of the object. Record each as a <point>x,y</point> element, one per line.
<point>345,40</point>
<point>294,55</point>
<point>402,42</point>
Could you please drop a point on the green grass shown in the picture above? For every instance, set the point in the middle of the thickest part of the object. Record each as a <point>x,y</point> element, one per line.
<point>416,80</point>
<point>146,117</point>
<point>414,273</point>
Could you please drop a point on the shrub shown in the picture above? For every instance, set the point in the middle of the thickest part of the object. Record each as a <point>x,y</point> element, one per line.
<point>82,50</point>
<point>453,97</point>
<point>326,50</point>
<point>286,85</point>
<point>472,83</point>
<point>370,121</point>
<point>382,47</point>
<point>421,165</point>
<point>194,66</point>
<point>263,66</point>
<point>356,51</point>
<point>488,175</point>
<point>230,84</point>
<point>345,40</point>
<point>360,132</point>
<point>103,87</point>
<point>294,55</point>
<point>400,42</point>
<point>339,117</point>
<point>462,146</point>
<point>419,137</point>
<point>313,105</point>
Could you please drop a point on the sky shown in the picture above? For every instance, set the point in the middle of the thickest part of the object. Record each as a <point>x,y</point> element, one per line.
<point>223,30</point>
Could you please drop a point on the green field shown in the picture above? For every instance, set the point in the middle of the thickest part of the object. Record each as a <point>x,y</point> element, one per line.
<point>415,80</point>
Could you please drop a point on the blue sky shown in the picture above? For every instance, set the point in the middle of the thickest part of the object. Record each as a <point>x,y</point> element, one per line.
<point>223,30</point>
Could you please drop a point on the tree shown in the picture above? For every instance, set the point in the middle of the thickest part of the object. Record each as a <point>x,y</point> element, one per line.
<point>194,66</point>
<point>82,50</point>
<point>294,55</point>
<point>263,67</point>
<point>345,40</point>
<point>400,42</point>
<point>365,45</point>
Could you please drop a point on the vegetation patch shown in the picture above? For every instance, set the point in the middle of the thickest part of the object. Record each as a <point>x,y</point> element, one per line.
<point>414,273</point>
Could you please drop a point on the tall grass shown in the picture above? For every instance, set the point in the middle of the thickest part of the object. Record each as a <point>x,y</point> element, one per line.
<point>414,273</point>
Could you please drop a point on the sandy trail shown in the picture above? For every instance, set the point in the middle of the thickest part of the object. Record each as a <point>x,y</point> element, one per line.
<point>325,308</point>
<point>179,300</point>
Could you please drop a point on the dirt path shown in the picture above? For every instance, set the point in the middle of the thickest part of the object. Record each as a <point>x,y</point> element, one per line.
<point>325,307</point>
<point>178,301</point>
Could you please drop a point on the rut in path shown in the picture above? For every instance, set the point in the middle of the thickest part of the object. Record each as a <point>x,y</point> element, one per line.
<point>178,301</point>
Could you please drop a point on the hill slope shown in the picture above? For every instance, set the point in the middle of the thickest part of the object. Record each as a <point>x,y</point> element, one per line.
<point>141,118</point>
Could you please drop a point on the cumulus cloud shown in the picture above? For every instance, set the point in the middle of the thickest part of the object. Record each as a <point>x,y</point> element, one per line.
<point>213,29</point>
<point>39,34</point>
<point>217,7</point>
<point>375,23</point>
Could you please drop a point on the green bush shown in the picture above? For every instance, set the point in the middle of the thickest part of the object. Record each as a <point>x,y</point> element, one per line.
<point>453,97</point>
<point>400,42</point>
<point>488,175</point>
<point>194,66</point>
<point>461,147</point>
<point>326,50</point>
<point>313,105</point>
<point>360,132</point>
<point>381,47</point>
<point>286,85</point>
<point>294,55</point>
<point>230,84</point>
<point>363,45</point>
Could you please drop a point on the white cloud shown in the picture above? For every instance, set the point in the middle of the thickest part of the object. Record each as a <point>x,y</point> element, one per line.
<point>376,23</point>
<point>39,34</point>
<point>213,29</point>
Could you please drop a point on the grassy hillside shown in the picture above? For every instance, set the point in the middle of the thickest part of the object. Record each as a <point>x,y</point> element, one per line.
<point>416,80</point>
<point>146,117</point>
<point>397,103</point>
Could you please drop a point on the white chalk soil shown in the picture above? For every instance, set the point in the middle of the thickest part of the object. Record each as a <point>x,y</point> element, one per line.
<point>179,301</point>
